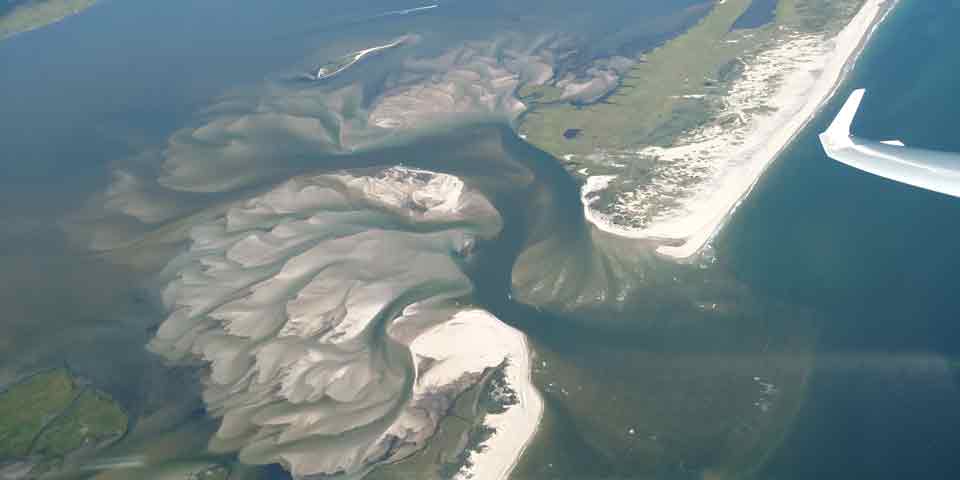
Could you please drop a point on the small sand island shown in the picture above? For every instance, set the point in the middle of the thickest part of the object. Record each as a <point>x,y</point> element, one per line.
<point>335,67</point>
<point>674,149</point>
<point>18,16</point>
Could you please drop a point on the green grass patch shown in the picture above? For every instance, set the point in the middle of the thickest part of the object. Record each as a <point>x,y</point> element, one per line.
<point>672,90</point>
<point>650,94</point>
<point>27,407</point>
<point>93,419</point>
<point>49,416</point>
<point>33,14</point>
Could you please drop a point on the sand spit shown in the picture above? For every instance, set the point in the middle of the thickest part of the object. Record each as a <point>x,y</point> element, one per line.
<point>794,80</point>
<point>350,60</point>
<point>517,426</point>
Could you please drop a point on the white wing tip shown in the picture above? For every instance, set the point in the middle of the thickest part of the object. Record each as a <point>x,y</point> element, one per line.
<point>837,134</point>
<point>840,127</point>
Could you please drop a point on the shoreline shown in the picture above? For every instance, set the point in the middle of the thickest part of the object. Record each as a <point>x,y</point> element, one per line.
<point>515,428</point>
<point>687,232</point>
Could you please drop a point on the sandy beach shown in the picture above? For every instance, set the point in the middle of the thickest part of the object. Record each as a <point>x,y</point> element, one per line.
<point>323,74</point>
<point>516,427</point>
<point>805,72</point>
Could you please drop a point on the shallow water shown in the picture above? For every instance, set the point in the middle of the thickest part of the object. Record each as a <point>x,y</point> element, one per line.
<point>819,256</point>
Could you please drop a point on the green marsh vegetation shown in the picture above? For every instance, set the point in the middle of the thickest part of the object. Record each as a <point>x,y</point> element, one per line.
<point>51,415</point>
<point>18,16</point>
<point>674,88</point>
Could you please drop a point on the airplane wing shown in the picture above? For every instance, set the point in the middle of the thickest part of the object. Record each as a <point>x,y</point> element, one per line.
<point>928,169</point>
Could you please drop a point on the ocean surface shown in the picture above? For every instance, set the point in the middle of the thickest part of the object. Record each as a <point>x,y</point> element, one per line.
<point>847,278</point>
<point>877,262</point>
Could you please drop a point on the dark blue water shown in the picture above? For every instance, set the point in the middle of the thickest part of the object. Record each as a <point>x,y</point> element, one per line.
<point>878,262</point>
<point>758,14</point>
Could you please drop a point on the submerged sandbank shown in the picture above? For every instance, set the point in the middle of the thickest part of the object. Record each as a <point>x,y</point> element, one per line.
<point>27,16</point>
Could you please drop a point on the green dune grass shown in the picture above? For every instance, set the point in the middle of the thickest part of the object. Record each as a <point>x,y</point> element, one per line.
<point>50,415</point>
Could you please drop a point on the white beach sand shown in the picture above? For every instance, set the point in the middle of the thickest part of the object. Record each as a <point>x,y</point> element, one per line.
<point>805,72</point>
<point>517,426</point>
